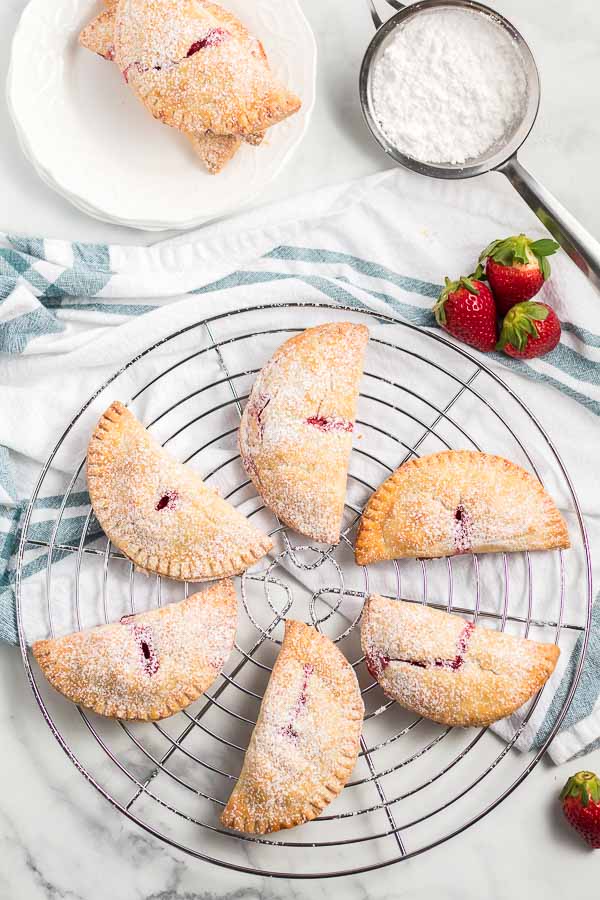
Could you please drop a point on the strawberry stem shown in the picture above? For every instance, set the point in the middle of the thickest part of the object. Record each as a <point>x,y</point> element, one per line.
<point>519,325</point>
<point>583,786</point>
<point>450,287</point>
<point>521,250</point>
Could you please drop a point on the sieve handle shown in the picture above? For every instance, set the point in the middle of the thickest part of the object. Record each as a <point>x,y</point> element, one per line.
<point>578,243</point>
<point>377,20</point>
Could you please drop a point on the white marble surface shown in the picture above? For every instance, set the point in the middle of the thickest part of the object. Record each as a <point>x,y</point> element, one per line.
<point>58,838</point>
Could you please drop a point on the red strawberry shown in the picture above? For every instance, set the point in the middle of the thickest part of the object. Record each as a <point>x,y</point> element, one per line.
<point>529,329</point>
<point>466,309</point>
<point>516,268</point>
<point>580,800</point>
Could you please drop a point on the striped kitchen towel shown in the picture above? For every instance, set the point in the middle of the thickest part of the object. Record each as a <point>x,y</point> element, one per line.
<point>71,314</point>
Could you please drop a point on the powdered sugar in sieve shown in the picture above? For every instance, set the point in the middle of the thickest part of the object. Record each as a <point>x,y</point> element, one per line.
<point>449,86</point>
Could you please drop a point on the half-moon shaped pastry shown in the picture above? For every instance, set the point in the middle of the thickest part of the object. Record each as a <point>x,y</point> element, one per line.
<point>215,150</point>
<point>446,669</point>
<point>147,666</point>
<point>158,511</point>
<point>191,70</point>
<point>306,739</point>
<point>296,429</point>
<point>458,501</point>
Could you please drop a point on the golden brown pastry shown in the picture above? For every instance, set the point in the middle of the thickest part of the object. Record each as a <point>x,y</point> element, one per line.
<point>158,511</point>
<point>214,150</point>
<point>191,66</point>
<point>296,429</point>
<point>306,740</point>
<point>147,666</point>
<point>446,669</point>
<point>458,501</point>
<point>99,35</point>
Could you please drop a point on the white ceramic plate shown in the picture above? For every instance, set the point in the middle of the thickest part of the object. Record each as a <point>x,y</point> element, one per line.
<point>91,140</point>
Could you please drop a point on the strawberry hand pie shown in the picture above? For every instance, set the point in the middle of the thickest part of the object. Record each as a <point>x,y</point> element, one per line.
<point>147,666</point>
<point>158,511</point>
<point>296,430</point>
<point>306,740</point>
<point>196,68</point>
<point>458,501</point>
<point>449,670</point>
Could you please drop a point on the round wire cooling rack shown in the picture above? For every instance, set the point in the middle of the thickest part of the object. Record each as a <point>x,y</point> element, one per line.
<point>416,783</point>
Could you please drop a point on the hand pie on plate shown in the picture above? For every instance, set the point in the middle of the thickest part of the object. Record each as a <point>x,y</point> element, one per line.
<point>195,67</point>
<point>215,150</point>
<point>158,511</point>
<point>458,501</point>
<point>305,743</point>
<point>296,430</point>
<point>446,669</point>
<point>146,666</point>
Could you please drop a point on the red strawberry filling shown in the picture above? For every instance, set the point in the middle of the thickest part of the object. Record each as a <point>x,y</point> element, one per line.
<point>289,730</point>
<point>377,662</point>
<point>148,655</point>
<point>167,501</point>
<point>330,423</point>
<point>462,529</point>
<point>211,39</point>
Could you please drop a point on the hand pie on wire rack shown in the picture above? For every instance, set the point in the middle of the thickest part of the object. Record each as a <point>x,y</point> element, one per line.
<point>147,666</point>
<point>306,740</point>
<point>160,513</point>
<point>458,501</point>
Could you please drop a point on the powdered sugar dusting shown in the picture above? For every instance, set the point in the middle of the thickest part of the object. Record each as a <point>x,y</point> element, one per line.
<point>306,737</point>
<point>149,659</point>
<point>458,501</point>
<point>296,430</point>
<point>159,512</point>
<point>145,666</point>
<point>289,729</point>
<point>447,669</point>
<point>196,68</point>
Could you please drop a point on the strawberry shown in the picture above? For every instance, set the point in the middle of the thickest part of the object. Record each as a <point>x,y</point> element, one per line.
<point>580,800</point>
<point>516,268</point>
<point>466,309</point>
<point>529,329</point>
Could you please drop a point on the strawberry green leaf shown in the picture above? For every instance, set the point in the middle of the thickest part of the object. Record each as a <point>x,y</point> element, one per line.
<point>533,310</point>
<point>544,247</point>
<point>518,249</point>
<point>519,325</point>
<point>466,282</point>
<point>439,312</point>
<point>521,246</point>
<point>544,267</point>
<point>583,786</point>
<point>489,250</point>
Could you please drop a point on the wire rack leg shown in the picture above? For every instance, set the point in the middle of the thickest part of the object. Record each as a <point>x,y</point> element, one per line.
<point>382,796</point>
<point>186,731</point>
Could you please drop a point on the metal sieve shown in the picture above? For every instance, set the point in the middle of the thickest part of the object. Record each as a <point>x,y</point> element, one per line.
<point>578,243</point>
